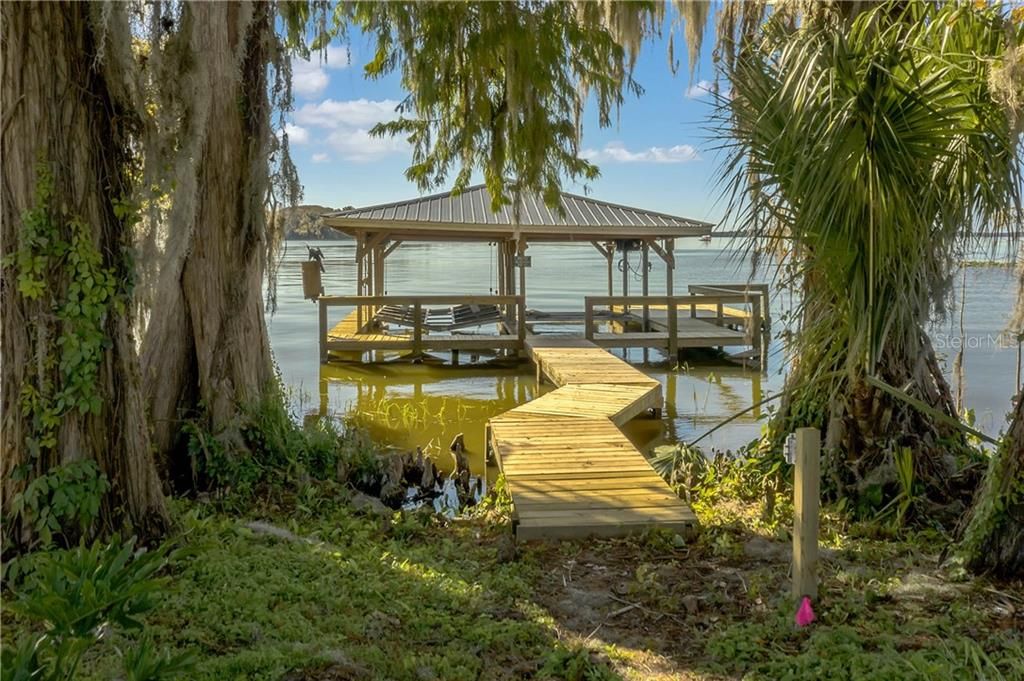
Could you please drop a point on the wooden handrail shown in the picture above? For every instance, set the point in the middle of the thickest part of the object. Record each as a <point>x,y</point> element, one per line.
<point>371,303</point>
<point>759,290</point>
<point>599,301</point>
<point>334,301</point>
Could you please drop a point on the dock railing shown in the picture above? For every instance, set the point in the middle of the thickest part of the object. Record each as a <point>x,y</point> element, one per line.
<point>513,315</point>
<point>758,290</point>
<point>751,319</point>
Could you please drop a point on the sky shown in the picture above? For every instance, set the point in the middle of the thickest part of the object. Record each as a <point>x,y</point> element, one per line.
<point>658,155</point>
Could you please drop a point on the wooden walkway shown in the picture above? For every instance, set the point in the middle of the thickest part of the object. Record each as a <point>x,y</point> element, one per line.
<point>570,470</point>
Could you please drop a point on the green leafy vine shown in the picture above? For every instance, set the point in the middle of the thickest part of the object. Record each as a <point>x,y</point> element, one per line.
<point>61,271</point>
<point>45,245</point>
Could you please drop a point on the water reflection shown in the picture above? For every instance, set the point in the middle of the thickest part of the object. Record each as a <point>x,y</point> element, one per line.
<point>426,406</point>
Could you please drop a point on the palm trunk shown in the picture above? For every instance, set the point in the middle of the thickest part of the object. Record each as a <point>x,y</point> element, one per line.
<point>994,538</point>
<point>864,425</point>
<point>206,350</point>
<point>60,115</point>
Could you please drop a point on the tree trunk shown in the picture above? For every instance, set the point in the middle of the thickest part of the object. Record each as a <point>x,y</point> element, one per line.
<point>206,351</point>
<point>994,538</point>
<point>62,119</point>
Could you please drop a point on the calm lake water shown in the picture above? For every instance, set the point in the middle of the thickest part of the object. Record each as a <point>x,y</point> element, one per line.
<point>426,406</point>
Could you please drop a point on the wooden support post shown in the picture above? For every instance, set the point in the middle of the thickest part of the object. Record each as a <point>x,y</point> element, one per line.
<point>755,323</point>
<point>521,313</point>
<point>588,319</point>
<point>521,323</point>
<point>670,266</point>
<point>417,327</point>
<point>643,285</point>
<point>673,328</point>
<point>625,277</point>
<point>610,257</point>
<point>323,332</point>
<point>359,263</point>
<point>806,497</point>
<point>455,358</point>
<point>500,257</point>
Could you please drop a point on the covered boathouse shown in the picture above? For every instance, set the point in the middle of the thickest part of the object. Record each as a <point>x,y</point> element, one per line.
<point>570,470</point>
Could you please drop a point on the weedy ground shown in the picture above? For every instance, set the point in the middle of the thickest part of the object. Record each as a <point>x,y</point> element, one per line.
<point>414,596</point>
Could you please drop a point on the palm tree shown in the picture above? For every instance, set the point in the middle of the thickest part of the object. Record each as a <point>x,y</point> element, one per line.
<point>869,149</point>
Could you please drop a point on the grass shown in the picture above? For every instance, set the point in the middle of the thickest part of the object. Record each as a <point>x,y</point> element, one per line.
<point>415,597</point>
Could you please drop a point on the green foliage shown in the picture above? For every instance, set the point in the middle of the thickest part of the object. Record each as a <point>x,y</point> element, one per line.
<point>359,597</point>
<point>59,265</point>
<point>498,87</point>
<point>38,240</point>
<point>909,489</point>
<point>81,595</point>
<point>275,451</point>
<point>756,473</point>
<point>846,645</point>
<point>577,664</point>
<point>90,297</point>
<point>144,662</point>
<point>64,499</point>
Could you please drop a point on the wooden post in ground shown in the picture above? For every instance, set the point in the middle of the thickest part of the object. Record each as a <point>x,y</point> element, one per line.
<point>323,331</point>
<point>806,498</point>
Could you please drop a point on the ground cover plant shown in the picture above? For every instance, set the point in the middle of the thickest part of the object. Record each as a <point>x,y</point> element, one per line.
<point>297,583</point>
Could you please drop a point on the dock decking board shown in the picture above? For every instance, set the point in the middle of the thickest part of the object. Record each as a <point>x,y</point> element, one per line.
<point>570,470</point>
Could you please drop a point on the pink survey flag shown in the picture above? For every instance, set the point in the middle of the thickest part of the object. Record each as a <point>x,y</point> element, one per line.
<point>804,614</point>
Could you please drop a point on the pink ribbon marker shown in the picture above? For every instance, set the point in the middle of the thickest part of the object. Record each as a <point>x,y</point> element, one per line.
<point>804,614</point>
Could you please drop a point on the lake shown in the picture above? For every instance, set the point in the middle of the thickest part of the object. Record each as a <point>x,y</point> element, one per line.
<point>426,406</point>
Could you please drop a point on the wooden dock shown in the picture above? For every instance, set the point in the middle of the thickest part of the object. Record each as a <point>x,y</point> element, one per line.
<point>570,470</point>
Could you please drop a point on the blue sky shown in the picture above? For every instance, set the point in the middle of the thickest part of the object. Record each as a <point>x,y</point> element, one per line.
<point>657,156</point>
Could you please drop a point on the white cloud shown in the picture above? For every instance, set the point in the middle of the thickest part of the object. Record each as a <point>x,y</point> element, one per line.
<point>344,125</point>
<point>331,113</point>
<point>309,76</point>
<point>616,152</point>
<point>358,145</point>
<point>699,89</point>
<point>320,158</point>
<point>296,134</point>
<point>703,88</point>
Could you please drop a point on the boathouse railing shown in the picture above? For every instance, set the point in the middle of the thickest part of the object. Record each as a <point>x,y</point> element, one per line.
<point>752,320</point>
<point>513,314</point>
<point>760,290</point>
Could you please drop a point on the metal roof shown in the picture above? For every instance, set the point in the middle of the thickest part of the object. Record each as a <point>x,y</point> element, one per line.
<point>471,209</point>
